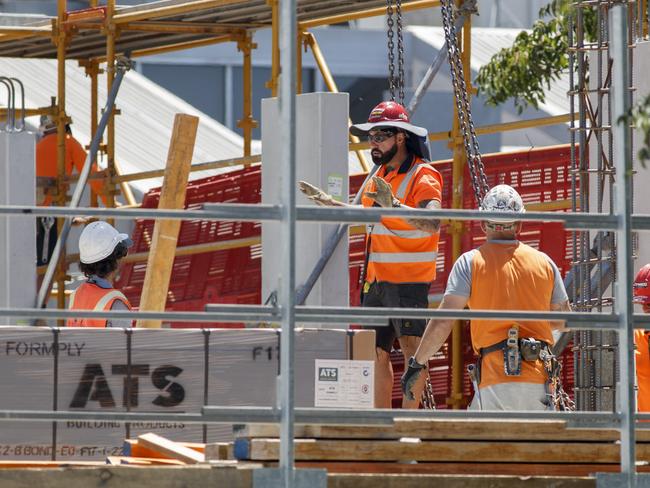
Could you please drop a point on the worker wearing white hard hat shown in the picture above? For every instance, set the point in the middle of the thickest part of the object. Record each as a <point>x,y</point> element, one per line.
<point>516,369</point>
<point>101,247</point>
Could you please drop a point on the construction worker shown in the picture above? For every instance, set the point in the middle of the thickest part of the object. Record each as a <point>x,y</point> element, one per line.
<point>401,253</point>
<point>641,337</point>
<point>101,247</point>
<point>46,167</point>
<point>502,274</point>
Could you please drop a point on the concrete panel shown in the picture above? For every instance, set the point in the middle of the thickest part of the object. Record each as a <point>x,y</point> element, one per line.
<point>322,157</point>
<point>17,234</point>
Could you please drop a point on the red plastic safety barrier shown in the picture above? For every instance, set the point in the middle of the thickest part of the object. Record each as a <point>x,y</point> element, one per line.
<point>234,275</point>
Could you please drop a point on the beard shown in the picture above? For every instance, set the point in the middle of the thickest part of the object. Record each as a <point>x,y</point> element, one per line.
<point>380,157</point>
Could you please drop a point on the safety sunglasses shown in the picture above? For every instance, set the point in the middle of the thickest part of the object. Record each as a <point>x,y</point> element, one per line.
<point>381,136</point>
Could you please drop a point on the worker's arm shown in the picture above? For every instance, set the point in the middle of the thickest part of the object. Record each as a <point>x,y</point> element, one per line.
<point>560,325</point>
<point>319,197</point>
<point>427,225</point>
<point>384,197</point>
<point>434,337</point>
<point>559,297</point>
<point>438,330</point>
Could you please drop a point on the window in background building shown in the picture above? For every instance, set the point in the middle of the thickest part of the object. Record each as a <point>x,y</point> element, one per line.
<point>200,86</point>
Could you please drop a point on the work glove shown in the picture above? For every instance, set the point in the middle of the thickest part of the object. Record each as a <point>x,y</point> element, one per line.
<point>410,377</point>
<point>315,194</point>
<point>383,194</point>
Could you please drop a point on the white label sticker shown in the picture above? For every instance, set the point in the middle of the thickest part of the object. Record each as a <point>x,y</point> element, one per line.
<point>344,384</point>
<point>335,186</point>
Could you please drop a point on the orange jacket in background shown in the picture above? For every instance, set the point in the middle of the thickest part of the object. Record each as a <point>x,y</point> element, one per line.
<point>75,156</point>
<point>90,296</point>
<point>642,359</point>
<point>399,252</point>
<point>510,277</point>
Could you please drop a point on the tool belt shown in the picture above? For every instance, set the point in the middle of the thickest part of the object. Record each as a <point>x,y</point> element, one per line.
<point>515,351</point>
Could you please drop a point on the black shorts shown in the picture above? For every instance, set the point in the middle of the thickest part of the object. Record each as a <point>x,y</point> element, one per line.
<point>40,237</point>
<point>409,295</point>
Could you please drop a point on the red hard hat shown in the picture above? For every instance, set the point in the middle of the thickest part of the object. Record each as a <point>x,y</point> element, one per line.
<point>642,285</point>
<point>388,114</point>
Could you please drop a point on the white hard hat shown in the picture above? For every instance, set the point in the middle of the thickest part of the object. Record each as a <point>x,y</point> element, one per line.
<point>502,198</point>
<point>98,241</point>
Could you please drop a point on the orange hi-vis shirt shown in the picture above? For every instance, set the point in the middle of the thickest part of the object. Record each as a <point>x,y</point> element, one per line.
<point>509,277</point>
<point>75,156</point>
<point>642,359</point>
<point>90,296</point>
<point>399,252</point>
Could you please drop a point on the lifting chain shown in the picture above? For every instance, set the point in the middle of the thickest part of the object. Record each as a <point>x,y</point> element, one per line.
<point>466,124</point>
<point>395,83</point>
<point>428,401</point>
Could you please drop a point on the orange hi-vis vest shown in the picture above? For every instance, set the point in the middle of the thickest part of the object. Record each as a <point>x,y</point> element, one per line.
<point>509,277</point>
<point>90,296</point>
<point>642,357</point>
<point>399,252</point>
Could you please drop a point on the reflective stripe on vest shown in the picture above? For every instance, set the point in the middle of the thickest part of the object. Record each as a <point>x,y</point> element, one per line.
<point>113,294</point>
<point>402,257</point>
<point>406,182</point>
<point>382,230</point>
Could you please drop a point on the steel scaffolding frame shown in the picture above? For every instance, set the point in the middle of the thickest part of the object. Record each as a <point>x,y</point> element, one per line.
<point>618,219</point>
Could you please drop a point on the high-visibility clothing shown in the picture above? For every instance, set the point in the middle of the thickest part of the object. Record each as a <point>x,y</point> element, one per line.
<point>642,357</point>
<point>90,296</point>
<point>509,277</point>
<point>75,156</point>
<point>399,252</point>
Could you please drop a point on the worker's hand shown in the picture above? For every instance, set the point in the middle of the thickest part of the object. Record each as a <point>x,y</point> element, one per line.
<point>315,194</point>
<point>410,377</point>
<point>79,221</point>
<point>383,194</point>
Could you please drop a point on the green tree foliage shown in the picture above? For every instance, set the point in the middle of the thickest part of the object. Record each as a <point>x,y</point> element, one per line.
<point>537,57</point>
<point>639,117</point>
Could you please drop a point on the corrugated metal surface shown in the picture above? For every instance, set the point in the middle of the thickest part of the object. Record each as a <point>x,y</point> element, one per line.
<point>249,14</point>
<point>486,42</point>
<point>143,130</point>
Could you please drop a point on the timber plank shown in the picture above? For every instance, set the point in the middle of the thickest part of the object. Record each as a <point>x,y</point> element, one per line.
<point>438,451</point>
<point>454,481</point>
<point>171,449</point>
<point>140,461</point>
<point>516,469</point>
<point>443,429</point>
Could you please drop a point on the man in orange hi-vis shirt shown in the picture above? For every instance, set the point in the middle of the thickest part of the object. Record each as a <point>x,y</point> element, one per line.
<point>46,166</point>
<point>642,356</point>
<point>502,274</point>
<point>400,253</point>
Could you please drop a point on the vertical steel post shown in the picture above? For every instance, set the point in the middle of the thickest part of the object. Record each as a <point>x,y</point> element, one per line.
<point>91,67</point>
<point>272,84</point>
<point>247,123</point>
<point>61,120</point>
<point>110,76</point>
<point>458,168</point>
<point>287,104</point>
<point>618,29</point>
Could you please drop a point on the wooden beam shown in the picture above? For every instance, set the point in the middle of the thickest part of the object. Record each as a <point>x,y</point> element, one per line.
<point>149,13</point>
<point>445,429</point>
<point>437,451</point>
<point>165,234</point>
<point>171,449</point>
